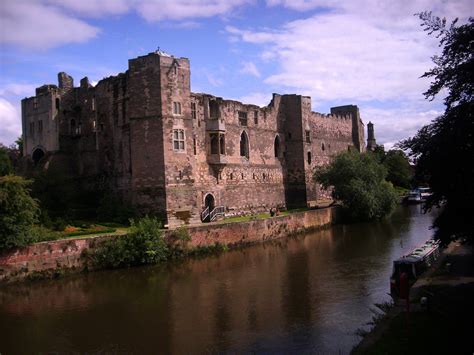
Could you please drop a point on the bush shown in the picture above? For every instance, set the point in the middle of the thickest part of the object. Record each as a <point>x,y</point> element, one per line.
<point>18,212</point>
<point>144,244</point>
<point>42,234</point>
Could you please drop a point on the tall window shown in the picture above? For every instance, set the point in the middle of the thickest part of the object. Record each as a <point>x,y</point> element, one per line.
<point>40,126</point>
<point>244,145</point>
<point>277,146</point>
<point>213,109</point>
<point>35,103</point>
<point>178,139</point>
<point>255,117</point>
<point>309,157</point>
<point>32,128</point>
<point>214,143</point>
<point>243,118</point>
<point>177,108</point>
<point>222,144</point>
<point>194,145</point>
<point>193,110</point>
<point>308,136</point>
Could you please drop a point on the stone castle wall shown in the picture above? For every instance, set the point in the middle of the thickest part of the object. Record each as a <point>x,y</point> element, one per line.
<point>49,258</point>
<point>123,131</point>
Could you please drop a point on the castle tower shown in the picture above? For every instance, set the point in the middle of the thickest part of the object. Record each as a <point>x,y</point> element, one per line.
<point>357,124</point>
<point>371,144</point>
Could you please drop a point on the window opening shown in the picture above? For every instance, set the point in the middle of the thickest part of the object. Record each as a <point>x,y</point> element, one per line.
<point>178,139</point>
<point>222,144</point>
<point>177,108</point>
<point>244,145</point>
<point>277,146</point>
<point>243,118</point>
<point>214,143</point>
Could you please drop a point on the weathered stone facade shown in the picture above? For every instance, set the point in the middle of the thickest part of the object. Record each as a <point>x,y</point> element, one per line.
<point>172,152</point>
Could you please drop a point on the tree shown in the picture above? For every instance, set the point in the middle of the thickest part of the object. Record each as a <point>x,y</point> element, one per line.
<point>19,144</point>
<point>399,171</point>
<point>358,180</point>
<point>18,212</point>
<point>444,149</point>
<point>5,162</point>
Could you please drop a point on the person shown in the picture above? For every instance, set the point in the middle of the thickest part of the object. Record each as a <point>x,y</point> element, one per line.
<point>272,212</point>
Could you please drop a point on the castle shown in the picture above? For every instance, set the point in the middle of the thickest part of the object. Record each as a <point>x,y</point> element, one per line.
<point>182,155</point>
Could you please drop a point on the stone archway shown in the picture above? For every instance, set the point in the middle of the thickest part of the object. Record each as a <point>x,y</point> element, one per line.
<point>37,155</point>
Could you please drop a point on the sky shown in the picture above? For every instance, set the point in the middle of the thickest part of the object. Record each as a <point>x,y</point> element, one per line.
<point>369,53</point>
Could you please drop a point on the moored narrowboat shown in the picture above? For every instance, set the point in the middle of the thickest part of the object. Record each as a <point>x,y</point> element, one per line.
<point>413,264</point>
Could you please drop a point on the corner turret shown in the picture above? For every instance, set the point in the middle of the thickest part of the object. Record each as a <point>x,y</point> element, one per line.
<point>371,144</point>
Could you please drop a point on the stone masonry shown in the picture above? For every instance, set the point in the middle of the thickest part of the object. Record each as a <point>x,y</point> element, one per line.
<point>168,151</point>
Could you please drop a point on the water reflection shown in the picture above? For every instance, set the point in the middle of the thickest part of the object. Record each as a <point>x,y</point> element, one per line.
<point>308,293</point>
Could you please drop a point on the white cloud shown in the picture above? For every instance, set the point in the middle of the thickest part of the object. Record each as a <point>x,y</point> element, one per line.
<point>368,52</point>
<point>250,68</point>
<point>256,98</point>
<point>43,24</point>
<point>32,24</point>
<point>344,57</point>
<point>394,125</point>
<point>10,122</point>
<point>157,10</point>
<point>16,89</point>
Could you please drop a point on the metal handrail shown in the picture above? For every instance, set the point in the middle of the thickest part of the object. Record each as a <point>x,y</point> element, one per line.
<point>205,214</point>
<point>217,212</point>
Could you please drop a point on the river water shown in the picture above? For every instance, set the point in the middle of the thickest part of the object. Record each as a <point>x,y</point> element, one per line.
<point>304,294</point>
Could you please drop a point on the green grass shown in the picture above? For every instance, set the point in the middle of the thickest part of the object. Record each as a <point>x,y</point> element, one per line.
<point>262,215</point>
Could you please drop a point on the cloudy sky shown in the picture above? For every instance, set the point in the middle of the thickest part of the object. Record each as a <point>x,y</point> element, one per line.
<point>365,52</point>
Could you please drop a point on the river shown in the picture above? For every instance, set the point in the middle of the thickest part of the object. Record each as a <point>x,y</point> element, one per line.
<point>302,294</point>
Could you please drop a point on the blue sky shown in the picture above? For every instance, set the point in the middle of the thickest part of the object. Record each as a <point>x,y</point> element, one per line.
<point>368,52</point>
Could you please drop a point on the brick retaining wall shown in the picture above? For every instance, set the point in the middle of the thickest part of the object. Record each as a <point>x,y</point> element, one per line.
<point>48,258</point>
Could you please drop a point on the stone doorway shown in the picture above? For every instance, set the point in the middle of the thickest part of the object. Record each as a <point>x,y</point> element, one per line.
<point>210,202</point>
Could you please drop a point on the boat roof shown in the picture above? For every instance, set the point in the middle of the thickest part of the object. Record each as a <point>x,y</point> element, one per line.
<point>419,253</point>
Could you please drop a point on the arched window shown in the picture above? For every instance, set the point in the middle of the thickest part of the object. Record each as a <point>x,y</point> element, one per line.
<point>309,157</point>
<point>222,144</point>
<point>244,145</point>
<point>73,126</point>
<point>277,146</point>
<point>214,144</point>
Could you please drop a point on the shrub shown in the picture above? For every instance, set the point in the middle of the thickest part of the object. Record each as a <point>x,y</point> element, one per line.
<point>18,212</point>
<point>42,234</point>
<point>144,244</point>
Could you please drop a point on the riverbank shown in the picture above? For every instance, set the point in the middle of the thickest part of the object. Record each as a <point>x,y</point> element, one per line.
<point>53,258</point>
<point>443,325</point>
